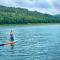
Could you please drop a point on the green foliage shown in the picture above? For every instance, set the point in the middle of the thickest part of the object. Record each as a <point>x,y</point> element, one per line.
<point>11,15</point>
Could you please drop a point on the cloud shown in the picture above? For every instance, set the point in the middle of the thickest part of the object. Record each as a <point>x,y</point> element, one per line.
<point>46,11</point>
<point>44,6</point>
<point>56,4</point>
<point>7,2</point>
<point>32,4</point>
<point>25,3</point>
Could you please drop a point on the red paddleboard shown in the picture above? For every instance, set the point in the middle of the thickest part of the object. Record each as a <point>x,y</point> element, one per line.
<point>11,42</point>
<point>8,43</point>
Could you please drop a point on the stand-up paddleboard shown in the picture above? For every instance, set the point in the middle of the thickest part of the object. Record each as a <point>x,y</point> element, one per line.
<point>9,42</point>
<point>3,44</point>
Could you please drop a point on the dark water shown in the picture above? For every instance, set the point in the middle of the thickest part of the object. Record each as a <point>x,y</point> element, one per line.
<point>34,43</point>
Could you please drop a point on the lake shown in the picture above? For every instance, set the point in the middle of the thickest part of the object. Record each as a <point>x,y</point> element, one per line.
<point>40,42</point>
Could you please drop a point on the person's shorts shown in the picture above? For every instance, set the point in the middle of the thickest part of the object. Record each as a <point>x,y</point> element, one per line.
<point>12,39</point>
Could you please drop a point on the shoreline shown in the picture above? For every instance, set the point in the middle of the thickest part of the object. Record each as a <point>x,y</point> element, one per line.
<point>41,24</point>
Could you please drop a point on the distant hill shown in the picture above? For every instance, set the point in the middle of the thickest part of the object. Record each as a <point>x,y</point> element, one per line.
<point>12,15</point>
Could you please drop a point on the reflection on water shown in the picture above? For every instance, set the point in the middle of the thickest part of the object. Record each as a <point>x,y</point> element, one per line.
<point>12,47</point>
<point>34,43</point>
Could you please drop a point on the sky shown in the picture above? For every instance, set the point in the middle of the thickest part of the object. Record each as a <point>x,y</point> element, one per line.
<point>43,6</point>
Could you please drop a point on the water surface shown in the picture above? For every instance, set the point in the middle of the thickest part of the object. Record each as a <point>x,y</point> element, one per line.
<point>34,43</point>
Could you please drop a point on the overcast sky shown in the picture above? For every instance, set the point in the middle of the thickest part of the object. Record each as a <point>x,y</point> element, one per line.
<point>43,6</point>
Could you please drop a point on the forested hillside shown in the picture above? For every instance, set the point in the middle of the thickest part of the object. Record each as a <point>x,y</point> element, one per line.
<point>11,15</point>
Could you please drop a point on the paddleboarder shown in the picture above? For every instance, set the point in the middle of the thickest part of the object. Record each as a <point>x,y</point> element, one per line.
<point>11,36</point>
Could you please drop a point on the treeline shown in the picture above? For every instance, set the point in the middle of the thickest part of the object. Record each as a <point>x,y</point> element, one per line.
<point>11,15</point>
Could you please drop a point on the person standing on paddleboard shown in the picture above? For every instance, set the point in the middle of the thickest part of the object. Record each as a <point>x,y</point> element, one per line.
<point>11,36</point>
